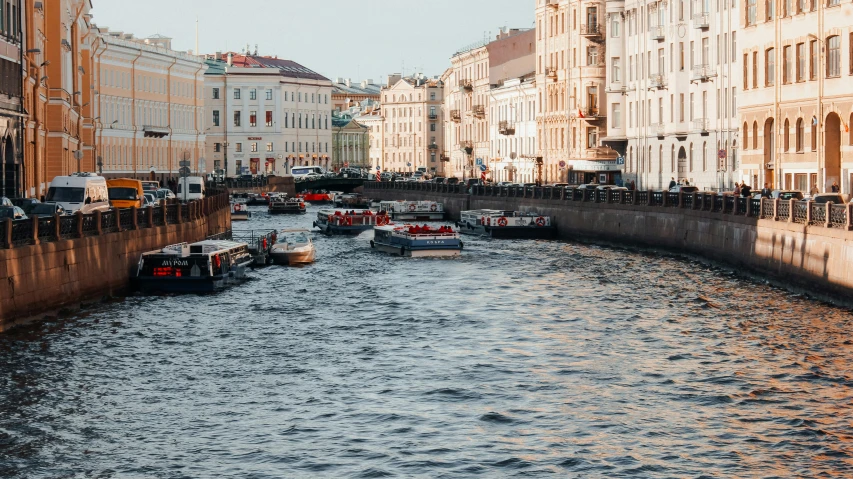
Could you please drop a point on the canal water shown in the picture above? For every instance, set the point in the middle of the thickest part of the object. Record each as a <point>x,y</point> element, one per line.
<point>520,359</point>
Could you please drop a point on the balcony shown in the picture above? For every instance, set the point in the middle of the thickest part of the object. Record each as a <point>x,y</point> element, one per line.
<point>444,157</point>
<point>592,30</point>
<point>592,113</point>
<point>658,33</point>
<point>155,131</point>
<point>551,72</point>
<point>702,73</point>
<point>433,146</point>
<point>617,88</point>
<point>433,116</point>
<point>468,147</point>
<point>505,129</point>
<point>555,4</point>
<point>657,82</point>
<point>659,129</point>
<point>479,111</point>
<point>455,115</point>
<point>700,20</point>
<point>700,125</point>
<point>466,85</point>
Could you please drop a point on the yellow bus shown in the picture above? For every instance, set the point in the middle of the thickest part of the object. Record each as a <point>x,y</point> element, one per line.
<point>125,193</point>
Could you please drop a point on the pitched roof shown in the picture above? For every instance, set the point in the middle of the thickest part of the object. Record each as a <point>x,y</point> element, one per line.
<point>288,68</point>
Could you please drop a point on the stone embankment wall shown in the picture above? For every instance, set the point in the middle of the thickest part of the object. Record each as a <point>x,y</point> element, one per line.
<point>796,244</point>
<point>58,262</point>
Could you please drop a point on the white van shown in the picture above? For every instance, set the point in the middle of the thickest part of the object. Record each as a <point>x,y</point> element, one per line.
<point>305,171</point>
<point>85,192</point>
<point>195,188</point>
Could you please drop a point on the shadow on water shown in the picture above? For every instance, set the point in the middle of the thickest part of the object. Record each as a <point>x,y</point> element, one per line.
<point>521,358</point>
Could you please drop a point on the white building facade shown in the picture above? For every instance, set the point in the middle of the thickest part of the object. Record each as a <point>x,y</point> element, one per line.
<point>267,115</point>
<point>412,119</point>
<point>512,131</point>
<point>672,85</point>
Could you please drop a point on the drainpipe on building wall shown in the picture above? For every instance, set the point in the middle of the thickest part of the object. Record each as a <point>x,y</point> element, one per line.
<point>133,115</point>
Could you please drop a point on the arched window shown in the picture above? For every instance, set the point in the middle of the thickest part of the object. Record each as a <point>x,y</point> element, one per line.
<point>673,158</point>
<point>660,160</point>
<point>814,134</point>
<point>691,158</point>
<point>755,135</point>
<point>745,135</point>
<point>799,135</point>
<point>787,135</point>
<point>705,156</point>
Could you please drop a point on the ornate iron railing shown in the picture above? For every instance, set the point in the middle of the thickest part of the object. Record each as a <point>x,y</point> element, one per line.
<point>125,219</point>
<point>90,226</point>
<point>109,221</point>
<point>838,216</point>
<point>22,232</point>
<point>68,227</point>
<point>687,201</point>
<point>783,212</point>
<point>767,209</point>
<point>818,213</point>
<point>801,213</point>
<point>47,228</point>
<point>755,209</point>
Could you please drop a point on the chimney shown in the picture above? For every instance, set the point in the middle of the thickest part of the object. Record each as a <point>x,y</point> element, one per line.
<point>218,56</point>
<point>230,59</point>
<point>349,83</point>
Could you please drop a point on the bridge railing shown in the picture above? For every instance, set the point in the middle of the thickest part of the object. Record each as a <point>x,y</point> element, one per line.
<point>46,229</point>
<point>793,211</point>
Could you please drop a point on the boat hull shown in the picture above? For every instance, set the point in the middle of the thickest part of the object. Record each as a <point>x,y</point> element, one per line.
<point>418,216</point>
<point>328,229</point>
<point>293,257</point>
<point>287,211</point>
<point>240,216</point>
<point>417,253</point>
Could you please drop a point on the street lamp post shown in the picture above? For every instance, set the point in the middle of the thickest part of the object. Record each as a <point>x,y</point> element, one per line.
<point>78,155</point>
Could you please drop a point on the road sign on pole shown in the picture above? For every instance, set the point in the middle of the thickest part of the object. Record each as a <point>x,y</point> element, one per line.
<point>483,168</point>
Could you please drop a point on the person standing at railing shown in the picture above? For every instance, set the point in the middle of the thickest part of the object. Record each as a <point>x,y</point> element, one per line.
<point>745,190</point>
<point>835,188</point>
<point>814,191</point>
<point>672,183</point>
<point>737,189</point>
<point>766,192</point>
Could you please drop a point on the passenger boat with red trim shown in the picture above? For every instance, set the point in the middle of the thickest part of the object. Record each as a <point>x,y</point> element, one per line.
<point>507,224</point>
<point>201,267</point>
<point>287,206</point>
<point>348,222</point>
<point>413,210</point>
<point>417,241</point>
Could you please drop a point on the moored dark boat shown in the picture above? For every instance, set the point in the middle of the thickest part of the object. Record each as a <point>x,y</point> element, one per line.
<point>201,267</point>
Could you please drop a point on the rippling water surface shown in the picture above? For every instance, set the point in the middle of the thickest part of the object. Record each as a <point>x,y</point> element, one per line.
<point>521,359</point>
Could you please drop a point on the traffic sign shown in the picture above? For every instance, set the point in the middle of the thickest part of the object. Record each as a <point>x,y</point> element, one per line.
<point>185,172</point>
<point>378,168</point>
<point>620,160</point>
<point>483,168</point>
<point>562,164</point>
<point>479,161</point>
<point>184,163</point>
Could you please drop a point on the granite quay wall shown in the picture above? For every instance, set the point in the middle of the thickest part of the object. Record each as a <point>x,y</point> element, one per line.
<point>50,263</point>
<point>798,244</point>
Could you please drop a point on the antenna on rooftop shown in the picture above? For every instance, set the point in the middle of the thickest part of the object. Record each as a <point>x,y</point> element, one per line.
<point>256,49</point>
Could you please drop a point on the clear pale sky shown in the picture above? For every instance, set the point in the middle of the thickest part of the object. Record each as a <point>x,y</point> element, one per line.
<point>358,39</point>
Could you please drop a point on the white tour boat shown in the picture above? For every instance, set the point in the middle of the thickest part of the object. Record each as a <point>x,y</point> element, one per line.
<point>507,224</point>
<point>417,241</point>
<point>413,210</point>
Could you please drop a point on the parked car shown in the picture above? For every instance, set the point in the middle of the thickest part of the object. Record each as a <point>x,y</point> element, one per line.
<point>452,181</point>
<point>684,189</point>
<point>589,186</point>
<point>5,201</point>
<point>611,188</point>
<point>788,195</point>
<point>148,200</point>
<point>47,209</point>
<point>149,186</point>
<point>26,204</point>
<point>560,185</point>
<point>823,198</point>
<point>125,193</point>
<point>164,194</point>
<point>439,180</point>
<point>472,182</point>
<point>14,212</point>
<point>504,183</point>
<point>195,188</point>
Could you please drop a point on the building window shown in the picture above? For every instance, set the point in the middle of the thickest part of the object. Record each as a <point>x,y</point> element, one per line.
<point>253,94</point>
<point>833,58</point>
<point>236,93</point>
<point>253,147</point>
<point>591,55</point>
<point>787,64</point>
<point>755,135</point>
<point>787,135</point>
<point>238,147</point>
<point>814,134</point>
<point>801,61</point>
<point>799,135</point>
<point>801,6</point>
<point>754,69</point>
<point>217,147</point>
<point>432,96</point>
<point>614,28</point>
<point>746,71</point>
<point>769,66</point>
<point>813,55</point>
<point>237,118</point>
<point>269,118</point>
<point>215,117</point>
<point>269,147</point>
<point>253,118</point>
<point>269,94</point>
<point>216,93</point>
<point>616,115</point>
<point>432,127</point>
<point>833,3</point>
<point>770,10</point>
<point>614,70</point>
<point>591,137</point>
<point>750,12</point>
<point>745,135</point>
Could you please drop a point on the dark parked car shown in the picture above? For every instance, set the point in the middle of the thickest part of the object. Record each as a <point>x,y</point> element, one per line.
<point>683,189</point>
<point>439,180</point>
<point>788,195</point>
<point>5,201</point>
<point>824,198</point>
<point>452,181</point>
<point>26,204</point>
<point>47,209</point>
<point>472,182</point>
<point>14,212</point>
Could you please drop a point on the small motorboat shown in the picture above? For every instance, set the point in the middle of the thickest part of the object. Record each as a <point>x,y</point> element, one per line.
<point>312,197</point>
<point>240,211</point>
<point>417,241</point>
<point>294,247</point>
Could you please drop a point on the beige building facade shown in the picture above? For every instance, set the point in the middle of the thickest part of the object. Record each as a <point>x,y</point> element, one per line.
<point>151,107</point>
<point>466,105</point>
<point>797,101</point>
<point>412,119</point>
<point>570,79</point>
